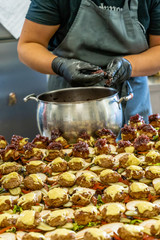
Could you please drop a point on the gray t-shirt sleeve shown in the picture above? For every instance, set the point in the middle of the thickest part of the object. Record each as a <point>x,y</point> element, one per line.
<point>44,12</point>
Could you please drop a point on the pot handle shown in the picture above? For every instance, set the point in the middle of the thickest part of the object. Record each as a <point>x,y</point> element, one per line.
<point>126,98</point>
<point>30,97</point>
<point>130,94</point>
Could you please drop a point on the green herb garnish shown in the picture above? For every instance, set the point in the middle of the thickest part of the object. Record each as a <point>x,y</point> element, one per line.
<point>154,164</point>
<point>67,158</point>
<point>17,209</point>
<point>77,227</point>
<point>155,138</point>
<point>136,221</point>
<point>2,190</point>
<point>99,201</point>
<point>12,230</point>
<point>92,224</point>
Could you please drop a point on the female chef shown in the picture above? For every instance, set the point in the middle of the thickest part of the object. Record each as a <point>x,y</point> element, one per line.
<point>75,39</point>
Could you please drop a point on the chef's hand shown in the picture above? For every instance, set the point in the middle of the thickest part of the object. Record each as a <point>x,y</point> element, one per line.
<point>118,70</point>
<point>77,73</point>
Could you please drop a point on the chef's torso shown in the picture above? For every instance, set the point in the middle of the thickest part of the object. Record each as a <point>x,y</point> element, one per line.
<point>98,35</point>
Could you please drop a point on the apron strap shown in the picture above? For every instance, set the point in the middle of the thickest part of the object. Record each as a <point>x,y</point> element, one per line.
<point>86,3</point>
<point>130,13</point>
<point>132,8</point>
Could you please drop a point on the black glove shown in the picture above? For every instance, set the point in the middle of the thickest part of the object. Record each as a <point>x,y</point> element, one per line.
<point>77,73</point>
<point>118,71</point>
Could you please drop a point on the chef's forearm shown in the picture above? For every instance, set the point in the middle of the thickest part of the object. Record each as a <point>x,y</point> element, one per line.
<point>36,57</point>
<point>146,63</point>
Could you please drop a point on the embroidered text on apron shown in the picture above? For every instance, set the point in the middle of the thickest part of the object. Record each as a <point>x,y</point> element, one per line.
<point>99,35</point>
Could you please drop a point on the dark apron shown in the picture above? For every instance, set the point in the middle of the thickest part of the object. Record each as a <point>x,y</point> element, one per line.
<point>99,35</point>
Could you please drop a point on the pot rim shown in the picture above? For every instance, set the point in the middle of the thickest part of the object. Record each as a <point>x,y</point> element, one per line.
<point>77,88</point>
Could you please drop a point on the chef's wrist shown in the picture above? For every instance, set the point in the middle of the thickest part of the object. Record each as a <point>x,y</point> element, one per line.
<point>130,61</point>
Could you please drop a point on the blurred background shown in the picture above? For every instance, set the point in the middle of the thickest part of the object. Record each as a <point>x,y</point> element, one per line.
<point>16,79</point>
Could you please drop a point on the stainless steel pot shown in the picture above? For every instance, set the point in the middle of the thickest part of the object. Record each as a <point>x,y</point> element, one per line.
<point>73,110</point>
